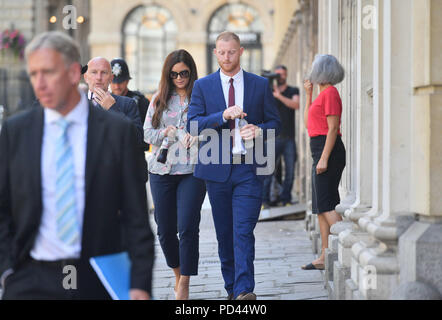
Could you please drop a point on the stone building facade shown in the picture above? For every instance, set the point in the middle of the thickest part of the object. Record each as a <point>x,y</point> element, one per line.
<point>32,17</point>
<point>390,242</point>
<point>144,32</point>
<point>389,245</point>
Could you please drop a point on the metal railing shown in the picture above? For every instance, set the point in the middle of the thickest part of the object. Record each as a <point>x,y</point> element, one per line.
<point>16,92</point>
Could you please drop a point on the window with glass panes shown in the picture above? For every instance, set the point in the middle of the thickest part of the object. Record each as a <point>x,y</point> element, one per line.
<point>149,35</point>
<point>246,23</point>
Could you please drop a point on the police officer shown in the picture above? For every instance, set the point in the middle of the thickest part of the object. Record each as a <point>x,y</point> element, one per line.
<point>119,87</point>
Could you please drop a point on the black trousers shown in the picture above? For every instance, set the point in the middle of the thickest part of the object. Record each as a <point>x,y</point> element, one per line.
<point>35,280</point>
<point>178,200</point>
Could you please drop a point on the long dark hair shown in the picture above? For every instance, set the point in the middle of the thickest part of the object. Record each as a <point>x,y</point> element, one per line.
<point>166,85</point>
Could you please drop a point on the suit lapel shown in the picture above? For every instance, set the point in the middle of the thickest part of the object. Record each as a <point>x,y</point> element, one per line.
<point>218,91</point>
<point>35,142</point>
<point>95,134</point>
<point>249,88</point>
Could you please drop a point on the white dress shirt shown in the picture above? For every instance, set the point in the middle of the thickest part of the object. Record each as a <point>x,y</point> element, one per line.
<point>238,84</point>
<point>89,96</point>
<point>48,246</point>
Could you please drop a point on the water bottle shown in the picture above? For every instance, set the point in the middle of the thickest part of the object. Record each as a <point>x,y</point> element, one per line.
<point>162,157</point>
<point>248,144</point>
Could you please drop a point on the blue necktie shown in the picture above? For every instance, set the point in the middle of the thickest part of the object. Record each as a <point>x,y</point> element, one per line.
<point>67,222</point>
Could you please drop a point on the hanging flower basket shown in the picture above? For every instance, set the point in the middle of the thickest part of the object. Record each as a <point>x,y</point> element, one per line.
<point>13,41</point>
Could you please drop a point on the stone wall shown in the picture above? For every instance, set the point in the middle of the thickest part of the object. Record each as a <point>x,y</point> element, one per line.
<point>192,18</point>
<point>389,244</point>
<point>31,17</point>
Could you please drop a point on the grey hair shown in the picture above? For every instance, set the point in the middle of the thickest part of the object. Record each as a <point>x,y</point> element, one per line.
<point>326,69</point>
<point>57,41</point>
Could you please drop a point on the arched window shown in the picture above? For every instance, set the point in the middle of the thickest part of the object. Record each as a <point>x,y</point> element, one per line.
<point>246,23</point>
<point>149,35</point>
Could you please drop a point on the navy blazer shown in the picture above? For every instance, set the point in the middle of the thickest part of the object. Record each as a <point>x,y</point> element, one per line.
<point>127,107</point>
<point>207,106</point>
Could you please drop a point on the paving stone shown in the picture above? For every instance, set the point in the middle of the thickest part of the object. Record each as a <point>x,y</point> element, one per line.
<point>282,247</point>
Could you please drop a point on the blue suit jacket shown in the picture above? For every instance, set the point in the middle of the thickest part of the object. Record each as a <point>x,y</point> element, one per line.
<point>208,104</point>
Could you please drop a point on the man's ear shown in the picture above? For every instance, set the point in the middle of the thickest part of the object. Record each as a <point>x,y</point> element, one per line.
<point>85,75</point>
<point>75,73</point>
<point>241,50</point>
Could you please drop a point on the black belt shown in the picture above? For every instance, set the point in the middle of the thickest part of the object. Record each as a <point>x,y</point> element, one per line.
<point>56,263</point>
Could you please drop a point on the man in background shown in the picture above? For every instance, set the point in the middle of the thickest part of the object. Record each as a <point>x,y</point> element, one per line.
<point>287,101</point>
<point>119,87</point>
<point>98,77</point>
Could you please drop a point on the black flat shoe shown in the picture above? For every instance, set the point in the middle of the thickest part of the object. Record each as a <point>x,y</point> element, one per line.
<point>312,266</point>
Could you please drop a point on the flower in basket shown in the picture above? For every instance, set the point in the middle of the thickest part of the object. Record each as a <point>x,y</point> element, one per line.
<point>14,41</point>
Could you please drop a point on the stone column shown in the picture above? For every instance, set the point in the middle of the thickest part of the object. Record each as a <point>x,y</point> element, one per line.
<point>377,269</point>
<point>328,39</point>
<point>363,154</point>
<point>420,247</point>
<point>308,38</point>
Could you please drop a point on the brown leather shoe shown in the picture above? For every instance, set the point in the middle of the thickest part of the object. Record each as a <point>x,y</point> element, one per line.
<point>246,296</point>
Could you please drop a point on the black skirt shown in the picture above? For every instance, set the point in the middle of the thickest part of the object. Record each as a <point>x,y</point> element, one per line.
<point>325,195</point>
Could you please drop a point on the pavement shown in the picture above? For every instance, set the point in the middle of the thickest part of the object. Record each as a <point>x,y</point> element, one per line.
<point>281,248</point>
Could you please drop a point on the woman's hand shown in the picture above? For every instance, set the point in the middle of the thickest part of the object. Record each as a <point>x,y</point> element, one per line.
<point>189,140</point>
<point>322,166</point>
<point>170,131</point>
<point>308,86</point>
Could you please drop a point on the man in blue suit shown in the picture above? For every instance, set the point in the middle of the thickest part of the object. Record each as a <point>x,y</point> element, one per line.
<point>221,102</point>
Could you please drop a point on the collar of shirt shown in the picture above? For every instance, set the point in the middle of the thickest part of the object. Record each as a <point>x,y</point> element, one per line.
<point>237,78</point>
<point>78,115</point>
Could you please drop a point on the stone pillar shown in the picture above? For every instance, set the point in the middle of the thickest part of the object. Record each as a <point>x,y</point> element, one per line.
<point>376,271</point>
<point>420,247</point>
<point>363,145</point>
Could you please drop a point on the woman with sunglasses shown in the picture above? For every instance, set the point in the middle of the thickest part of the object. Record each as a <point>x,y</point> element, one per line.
<point>176,193</point>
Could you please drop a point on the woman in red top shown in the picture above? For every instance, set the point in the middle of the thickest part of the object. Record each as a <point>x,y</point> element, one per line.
<point>323,120</point>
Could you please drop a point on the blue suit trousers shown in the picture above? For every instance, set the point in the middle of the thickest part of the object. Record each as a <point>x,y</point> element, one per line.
<point>235,207</point>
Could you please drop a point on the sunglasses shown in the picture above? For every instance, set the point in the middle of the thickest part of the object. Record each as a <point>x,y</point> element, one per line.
<point>183,74</point>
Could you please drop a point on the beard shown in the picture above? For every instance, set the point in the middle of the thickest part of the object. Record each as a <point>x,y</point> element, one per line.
<point>229,67</point>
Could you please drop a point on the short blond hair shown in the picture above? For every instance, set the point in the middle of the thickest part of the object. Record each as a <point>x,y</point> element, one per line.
<point>227,36</point>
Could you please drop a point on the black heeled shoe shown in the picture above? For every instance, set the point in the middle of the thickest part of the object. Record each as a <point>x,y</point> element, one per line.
<point>312,266</point>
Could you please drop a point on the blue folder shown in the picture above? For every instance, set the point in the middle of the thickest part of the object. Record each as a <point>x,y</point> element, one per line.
<point>114,273</point>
